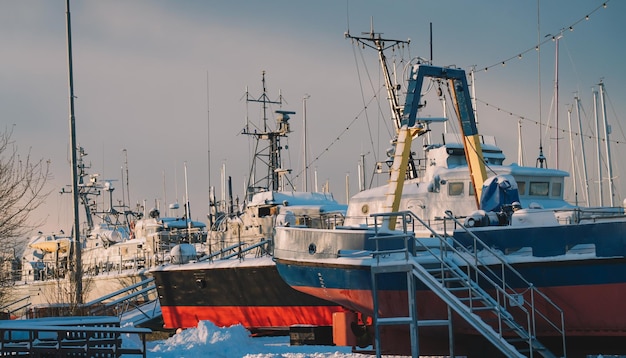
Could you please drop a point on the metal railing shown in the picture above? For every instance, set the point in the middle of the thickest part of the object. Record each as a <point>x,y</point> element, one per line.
<point>452,256</point>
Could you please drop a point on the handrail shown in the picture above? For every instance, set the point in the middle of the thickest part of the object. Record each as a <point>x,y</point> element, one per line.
<point>510,268</point>
<point>119,292</point>
<point>125,298</point>
<point>14,302</point>
<point>503,290</point>
<point>233,248</point>
<point>84,340</point>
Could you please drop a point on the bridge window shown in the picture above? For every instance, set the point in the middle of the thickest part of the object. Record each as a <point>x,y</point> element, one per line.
<point>539,188</point>
<point>264,211</point>
<point>521,187</point>
<point>556,189</point>
<point>455,189</point>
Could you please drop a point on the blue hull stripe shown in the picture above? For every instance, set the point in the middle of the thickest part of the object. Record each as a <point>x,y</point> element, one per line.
<point>587,272</point>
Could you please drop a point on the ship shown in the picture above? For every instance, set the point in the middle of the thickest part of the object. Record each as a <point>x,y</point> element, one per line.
<point>236,282</point>
<point>457,262</point>
<point>118,247</point>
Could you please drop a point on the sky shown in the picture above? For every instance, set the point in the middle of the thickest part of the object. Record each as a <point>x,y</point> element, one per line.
<point>160,86</point>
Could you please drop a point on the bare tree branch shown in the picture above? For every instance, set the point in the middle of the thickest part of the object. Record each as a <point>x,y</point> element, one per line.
<point>22,190</point>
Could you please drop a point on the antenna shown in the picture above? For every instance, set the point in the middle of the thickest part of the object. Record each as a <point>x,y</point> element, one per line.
<point>187,208</point>
<point>271,154</point>
<point>127,181</point>
<point>348,16</point>
<point>431,42</point>
<point>541,159</point>
<point>305,186</point>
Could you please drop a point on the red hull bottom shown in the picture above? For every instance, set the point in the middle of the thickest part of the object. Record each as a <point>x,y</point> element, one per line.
<point>595,311</point>
<point>253,318</point>
<point>595,320</point>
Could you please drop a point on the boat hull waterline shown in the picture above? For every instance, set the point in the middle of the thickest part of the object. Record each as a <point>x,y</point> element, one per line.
<point>253,295</point>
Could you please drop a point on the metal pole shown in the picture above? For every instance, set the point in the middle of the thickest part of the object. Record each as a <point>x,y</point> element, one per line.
<point>582,148</point>
<point>572,156</point>
<point>305,184</point>
<point>556,99</point>
<point>607,131</point>
<point>77,268</point>
<point>595,115</point>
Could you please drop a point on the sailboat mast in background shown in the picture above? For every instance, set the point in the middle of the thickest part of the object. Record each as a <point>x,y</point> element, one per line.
<point>77,267</point>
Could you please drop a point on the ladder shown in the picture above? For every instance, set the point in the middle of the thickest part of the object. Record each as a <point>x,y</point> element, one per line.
<point>461,279</point>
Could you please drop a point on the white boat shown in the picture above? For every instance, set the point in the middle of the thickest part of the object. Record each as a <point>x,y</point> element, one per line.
<point>500,285</point>
<point>237,282</point>
<point>118,247</point>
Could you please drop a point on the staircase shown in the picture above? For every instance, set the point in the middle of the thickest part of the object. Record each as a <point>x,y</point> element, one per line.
<point>506,317</point>
<point>137,304</point>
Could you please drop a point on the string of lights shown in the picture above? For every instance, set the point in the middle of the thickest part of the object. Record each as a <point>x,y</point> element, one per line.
<point>520,55</point>
<point>337,139</point>
<point>517,116</point>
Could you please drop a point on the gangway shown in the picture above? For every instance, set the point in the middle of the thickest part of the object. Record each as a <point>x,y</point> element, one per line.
<point>137,304</point>
<point>458,275</point>
<point>12,307</point>
<point>237,250</point>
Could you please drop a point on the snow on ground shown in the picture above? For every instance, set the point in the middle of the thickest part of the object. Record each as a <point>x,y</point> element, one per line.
<point>207,340</point>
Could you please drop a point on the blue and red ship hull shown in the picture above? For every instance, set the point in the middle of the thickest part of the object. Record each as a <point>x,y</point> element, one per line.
<point>591,293</point>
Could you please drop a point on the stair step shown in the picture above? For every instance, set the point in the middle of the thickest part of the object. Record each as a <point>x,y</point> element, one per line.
<point>459,288</point>
<point>391,268</point>
<point>453,279</point>
<point>388,321</point>
<point>483,308</point>
<point>517,340</point>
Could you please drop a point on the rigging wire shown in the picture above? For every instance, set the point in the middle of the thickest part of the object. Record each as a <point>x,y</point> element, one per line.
<point>339,136</point>
<point>518,116</point>
<point>367,121</point>
<point>520,55</point>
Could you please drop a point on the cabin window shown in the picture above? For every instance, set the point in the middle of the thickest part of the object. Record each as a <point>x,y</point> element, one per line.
<point>521,187</point>
<point>556,189</point>
<point>264,211</point>
<point>471,189</point>
<point>539,188</point>
<point>455,189</point>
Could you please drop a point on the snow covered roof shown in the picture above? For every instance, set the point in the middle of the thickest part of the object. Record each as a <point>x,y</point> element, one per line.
<point>292,198</point>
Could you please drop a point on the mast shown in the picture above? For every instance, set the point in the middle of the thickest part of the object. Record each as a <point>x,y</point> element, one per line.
<point>572,156</point>
<point>582,148</point>
<point>556,99</point>
<point>305,184</point>
<point>595,115</point>
<point>270,155</point>
<point>541,159</point>
<point>520,146</point>
<point>607,131</point>
<point>76,274</point>
<point>127,180</point>
<point>376,42</point>
<point>187,207</point>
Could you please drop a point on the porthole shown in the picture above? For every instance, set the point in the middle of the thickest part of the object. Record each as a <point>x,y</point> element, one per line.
<point>200,283</point>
